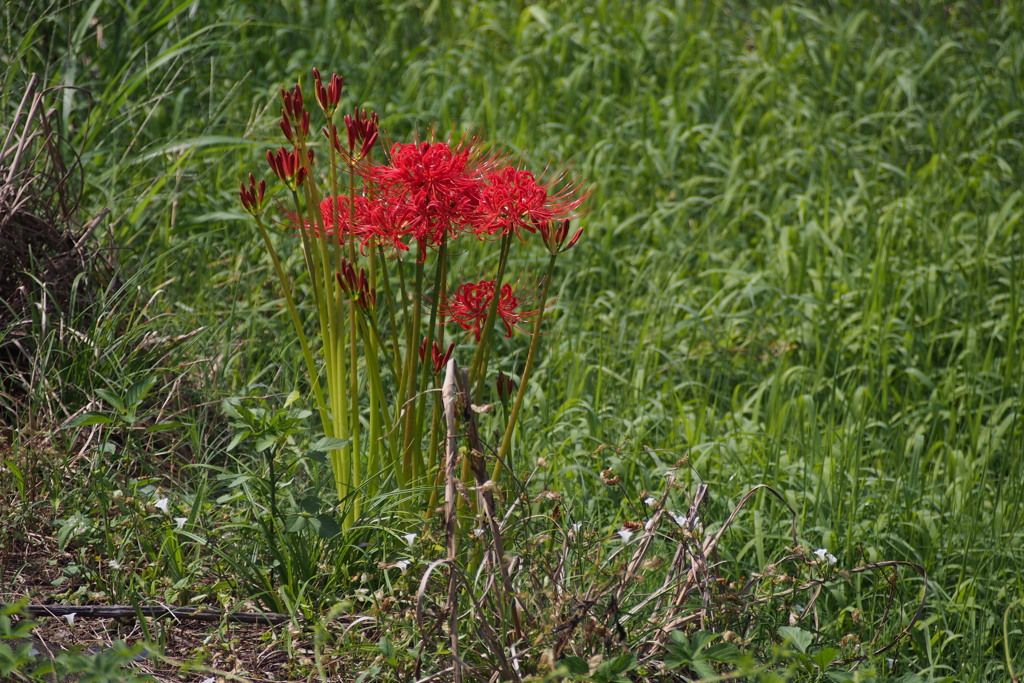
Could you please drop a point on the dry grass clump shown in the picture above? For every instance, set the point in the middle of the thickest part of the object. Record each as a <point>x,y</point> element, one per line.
<point>46,266</point>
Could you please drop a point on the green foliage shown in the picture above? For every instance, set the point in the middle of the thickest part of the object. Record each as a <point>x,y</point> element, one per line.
<point>802,268</point>
<point>697,651</point>
<point>21,660</point>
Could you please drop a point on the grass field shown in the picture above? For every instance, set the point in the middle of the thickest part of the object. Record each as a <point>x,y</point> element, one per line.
<point>801,267</point>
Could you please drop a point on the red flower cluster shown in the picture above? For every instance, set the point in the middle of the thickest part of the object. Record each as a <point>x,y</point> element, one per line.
<point>427,193</point>
<point>432,192</point>
<point>472,301</point>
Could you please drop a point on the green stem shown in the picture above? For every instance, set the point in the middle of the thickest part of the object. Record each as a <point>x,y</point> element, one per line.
<point>390,301</point>
<point>307,353</point>
<point>378,402</point>
<point>506,440</point>
<point>420,404</point>
<point>478,368</point>
<point>411,456</point>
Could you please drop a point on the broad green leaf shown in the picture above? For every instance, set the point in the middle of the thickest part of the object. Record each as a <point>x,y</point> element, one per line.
<point>825,656</point>
<point>703,669</point>
<point>575,666</point>
<point>328,527</point>
<point>112,399</point>
<point>164,426</point>
<point>799,638</point>
<point>265,442</point>
<point>699,639</point>
<point>86,419</point>
<point>329,443</point>
<point>138,391</point>
<point>721,652</point>
<point>610,669</point>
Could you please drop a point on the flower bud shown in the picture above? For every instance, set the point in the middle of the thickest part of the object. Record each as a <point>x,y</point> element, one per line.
<point>327,97</point>
<point>252,197</point>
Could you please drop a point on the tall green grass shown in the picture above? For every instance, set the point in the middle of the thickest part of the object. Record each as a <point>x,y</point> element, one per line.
<point>802,266</point>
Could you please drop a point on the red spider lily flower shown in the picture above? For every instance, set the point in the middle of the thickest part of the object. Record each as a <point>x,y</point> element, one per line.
<point>252,198</point>
<point>338,218</point>
<point>554,234</point>
<point>514,201</point>
<point>362,128</point>
<point>437,359</point>
<point>384,223</point>
<point>287,166</point>
<point>472,301</point>
<point>508,202</point>
<point>327,97</point>
<point>438,183</point>
<point>372,221</point>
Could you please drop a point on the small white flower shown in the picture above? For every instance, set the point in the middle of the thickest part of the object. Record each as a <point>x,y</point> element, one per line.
<point>824,554</point>
<point>71,618</point>
<point>651,500</point>
<point>180,522</point>
<point>478,532</point>
<point>402,565</point>
<point>625,535</point>
<point>114,564</point>
<point>577,526</point>
<point>677,518</point>
<point>409,538</point>
<point>164,505</point>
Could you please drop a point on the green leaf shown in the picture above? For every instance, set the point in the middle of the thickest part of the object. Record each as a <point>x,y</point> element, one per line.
<point>330,443</point>
<point>799,638</point>
<point>611,669</point>
<point>721,652</point>
<point>230,409</point>
<point>164,426</point>
<point>316,456</point>
<point>703,669</point>
<point>111,398</point>
<point>328,526</point>
<point>699,639</point>
<point>236,439</point>
<point>676,658</point>
<point>386,648</point>
<point>299,523</point>
<point>90,419</point>
<point>265,442</point>
<point>575,666</point>
<point>138,391</point>
<point>679,638</point>
<point>825,657</point>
